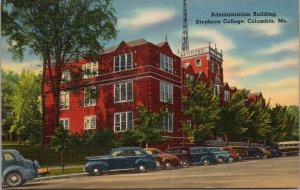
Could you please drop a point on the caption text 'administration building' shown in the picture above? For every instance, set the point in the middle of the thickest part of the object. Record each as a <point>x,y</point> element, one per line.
<point>135,73</point>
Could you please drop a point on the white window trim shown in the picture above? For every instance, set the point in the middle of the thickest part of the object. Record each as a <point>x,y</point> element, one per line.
<point>189,123</point>
<point>64,122</point>
<point>218,87</point>
<point>168,127</point>
<point>90,118</point>
<point>126,128</point>
<point>169,87</point>
<point>126,91</point>
<point>66,98</point>
<point>126,63</point>
<point>66,76</point>
<point>226,95</point>
<point>169,63</point>
<point>84,76</point>
<point>85,93</point>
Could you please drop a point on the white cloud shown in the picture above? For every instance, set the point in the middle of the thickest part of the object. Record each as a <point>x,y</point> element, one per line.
<point>240,72</point>
<point>201,37</point>
<point>292,45</point>
<point>33,65</point>
<point>146,17</point>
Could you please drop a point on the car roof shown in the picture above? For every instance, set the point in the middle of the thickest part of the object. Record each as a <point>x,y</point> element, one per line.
<point>10,150</point>
<point>128,148</point>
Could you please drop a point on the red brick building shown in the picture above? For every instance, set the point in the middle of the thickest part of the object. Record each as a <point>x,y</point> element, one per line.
<point>137,73</point>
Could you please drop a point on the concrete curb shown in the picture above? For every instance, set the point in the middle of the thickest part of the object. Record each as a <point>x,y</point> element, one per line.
<point>59,177</point>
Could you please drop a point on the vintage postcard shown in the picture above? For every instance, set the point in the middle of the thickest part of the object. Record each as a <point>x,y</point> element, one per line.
<point>150,94</point>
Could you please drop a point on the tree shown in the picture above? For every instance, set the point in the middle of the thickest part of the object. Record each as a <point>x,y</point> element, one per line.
<point>61,142</point>
<point>58,31</point>
<point>293,112</point>
<point>26,106</point>
<point>204,107</point>
<point>234,117</point>
<point>147,129</point>
<point>9,81</point>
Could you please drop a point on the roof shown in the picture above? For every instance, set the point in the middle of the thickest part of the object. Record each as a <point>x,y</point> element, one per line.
<point>254,94</point>
<point>136,42</point>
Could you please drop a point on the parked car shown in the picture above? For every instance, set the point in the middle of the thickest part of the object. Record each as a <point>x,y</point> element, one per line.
<point>255,153</point>
<point>274,152</point>
<point>183,153</point>
<point>201,155</point>
<point>220,156</point>
<point>167,161</point>
<point>122,158</point>
<point>233,155</point>
<point>266,153</point>
<point>241,150</point>
<point>16,169</point>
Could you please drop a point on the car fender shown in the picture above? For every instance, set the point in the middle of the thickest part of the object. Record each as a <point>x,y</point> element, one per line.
<point>15,168</point>
<point>103,165</point>
<point>148,162</point>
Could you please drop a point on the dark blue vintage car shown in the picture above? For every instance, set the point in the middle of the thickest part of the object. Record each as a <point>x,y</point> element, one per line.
<point>123,158</point>
<point>16,169</point>
<point>208,155</point>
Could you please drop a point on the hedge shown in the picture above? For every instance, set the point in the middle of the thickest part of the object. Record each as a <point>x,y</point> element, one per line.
<point>48,157</point>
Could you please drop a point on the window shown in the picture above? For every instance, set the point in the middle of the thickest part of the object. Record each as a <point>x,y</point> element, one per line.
<point>124,91</point>
<point>217,89</point>
<point>122,121</point>
<point>90,70</point>
<point>123,62</point>
<point>212,67</point>
<point>198,63</point>
<point>8,156</point>
<point>64,122</point>
<point>64,100</point>
<point>168,123</point>
<point>90,96</point>
<point>166,92</point>
<point>226,95</point>
<point>66,76</point>
<point>89,122</point>
<point>189,77</point>
<point>166,63</point>
<point>219,70</point>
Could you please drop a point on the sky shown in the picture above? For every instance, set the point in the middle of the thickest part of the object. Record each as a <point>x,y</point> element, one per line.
<point>260,57</point>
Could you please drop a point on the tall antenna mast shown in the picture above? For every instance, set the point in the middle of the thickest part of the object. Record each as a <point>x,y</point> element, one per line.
<point>185,37</point>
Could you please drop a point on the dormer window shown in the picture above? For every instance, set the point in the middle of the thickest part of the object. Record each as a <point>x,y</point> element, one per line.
<point>166,63</point>
<point>90,70</point>
<point>123,62</point>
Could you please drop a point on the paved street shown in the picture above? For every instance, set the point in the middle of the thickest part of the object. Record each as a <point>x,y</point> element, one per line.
<point>271,173</point>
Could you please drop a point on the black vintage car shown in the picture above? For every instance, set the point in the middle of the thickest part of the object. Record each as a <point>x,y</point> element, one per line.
<point>254,153</point>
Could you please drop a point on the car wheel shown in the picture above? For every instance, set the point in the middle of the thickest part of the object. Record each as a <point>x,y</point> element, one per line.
<point>205,162</point>
<point>14,179</point>
<point>230,160</point>
<point>220,160</point>
<point>184,163</point>
<point>258,156</point>
<point>96,170</point>
<point>168,165</point>
<point>141,168</point>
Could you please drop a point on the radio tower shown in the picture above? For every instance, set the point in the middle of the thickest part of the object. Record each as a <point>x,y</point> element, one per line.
<point>185,37</point>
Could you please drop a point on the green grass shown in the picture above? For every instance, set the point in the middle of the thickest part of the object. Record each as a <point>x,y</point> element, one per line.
<point>58,171</point>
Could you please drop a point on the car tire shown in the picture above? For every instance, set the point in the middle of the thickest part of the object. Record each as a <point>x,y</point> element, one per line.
<point>220,160</point>
<point>167,165</point>
<point>205,162</point>
<point>230,160</point>
<point>141,168</point>
<point>96,171</point>
<point>184,163</point>
<point>14,179</point>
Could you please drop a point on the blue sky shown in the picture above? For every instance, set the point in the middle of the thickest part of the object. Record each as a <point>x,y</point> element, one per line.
<point>260,57</point>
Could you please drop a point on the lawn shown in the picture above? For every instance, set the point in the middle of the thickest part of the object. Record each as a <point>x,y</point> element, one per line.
<point>58,171</point>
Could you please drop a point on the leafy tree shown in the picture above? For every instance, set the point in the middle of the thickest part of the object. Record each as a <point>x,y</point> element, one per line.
<point>58,31</point>
<point>26,106</point>
<point>234,117</point>
<point>147,129</point>
<point>259,127</point>
<point>293,111</point>
<point>204,108</point>
<point>61,142</point>
<point>9,81</point>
